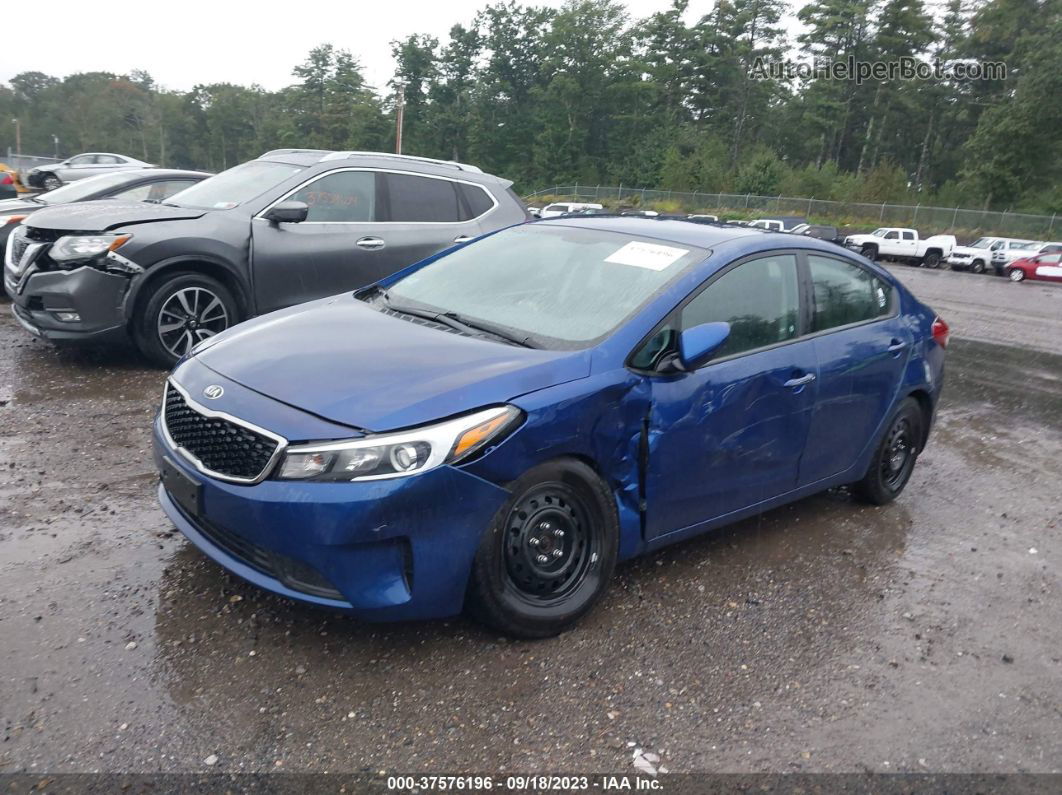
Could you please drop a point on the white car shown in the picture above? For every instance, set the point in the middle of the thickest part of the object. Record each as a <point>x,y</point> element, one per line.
<point>978,255</point>
<point>1020,249</point>
<point>768,223</point>
<point>903,245</point>
<point>90,164</point>
<point>560,208</point>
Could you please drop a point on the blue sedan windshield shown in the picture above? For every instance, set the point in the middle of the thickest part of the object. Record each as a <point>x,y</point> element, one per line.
<point>562,286</point>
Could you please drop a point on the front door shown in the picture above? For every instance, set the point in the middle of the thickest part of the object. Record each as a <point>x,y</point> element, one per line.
<point>362,226</point>
<point>862,346</point>
<point>336,248</point>
<point>730,435</point>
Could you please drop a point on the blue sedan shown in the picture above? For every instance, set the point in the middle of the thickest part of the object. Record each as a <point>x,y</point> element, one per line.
<point>497,426</point>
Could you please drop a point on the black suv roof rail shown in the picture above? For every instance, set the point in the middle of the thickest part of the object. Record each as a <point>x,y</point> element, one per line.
<point>389,156</point>
<point>296,152</point>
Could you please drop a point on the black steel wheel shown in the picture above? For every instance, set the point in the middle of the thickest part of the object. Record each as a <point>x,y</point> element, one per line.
<point>549,553</point>
<point>931,260</point>
<point>895,457</point>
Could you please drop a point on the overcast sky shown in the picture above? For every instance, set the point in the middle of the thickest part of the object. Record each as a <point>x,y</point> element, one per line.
<point>187,42</point>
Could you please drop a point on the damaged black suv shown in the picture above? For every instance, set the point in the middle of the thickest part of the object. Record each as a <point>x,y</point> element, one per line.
<point>291,226</point>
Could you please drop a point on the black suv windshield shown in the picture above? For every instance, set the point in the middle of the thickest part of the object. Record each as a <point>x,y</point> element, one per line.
<point>234,187</point>
<point>557,286</point>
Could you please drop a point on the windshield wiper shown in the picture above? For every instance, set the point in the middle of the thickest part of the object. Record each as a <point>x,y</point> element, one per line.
<point>457,322</point>
<point>490,328</point>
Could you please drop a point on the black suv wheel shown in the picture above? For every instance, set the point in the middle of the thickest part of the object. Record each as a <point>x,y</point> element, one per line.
<point>181,311</point>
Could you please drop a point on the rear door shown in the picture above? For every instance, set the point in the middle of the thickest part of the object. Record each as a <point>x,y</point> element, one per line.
<point>424,214</point>
<point>862,346</point>
<point>336,248</point>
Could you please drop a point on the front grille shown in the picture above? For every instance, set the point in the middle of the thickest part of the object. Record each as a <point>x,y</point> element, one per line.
<point>221,446</point>
<point>293,573</point>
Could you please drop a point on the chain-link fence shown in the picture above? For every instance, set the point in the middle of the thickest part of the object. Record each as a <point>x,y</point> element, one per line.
<point>930,220</point>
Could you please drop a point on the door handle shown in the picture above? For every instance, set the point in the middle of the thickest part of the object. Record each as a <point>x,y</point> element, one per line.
<point>804,379</point>
<point>370,243</point>
<point>896,346</point>
<point>462,239</point>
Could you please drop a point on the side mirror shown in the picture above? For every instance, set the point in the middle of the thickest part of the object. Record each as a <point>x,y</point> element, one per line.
<point>697,344</point>
<point>288,213</point>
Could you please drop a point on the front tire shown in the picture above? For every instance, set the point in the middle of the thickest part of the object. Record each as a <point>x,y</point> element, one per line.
<point>978,266</point>
<point>895,457</point>
<point>181,311</point>
<point>870,252</point>
<point>1016,275</point>
<point>51,182</point>
<point>548,554</point>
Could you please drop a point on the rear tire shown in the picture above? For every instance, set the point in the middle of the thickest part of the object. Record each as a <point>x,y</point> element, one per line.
<point>548,554</point>
<point>895,457</point>
<point>931,260</point>
<point>181,311</point>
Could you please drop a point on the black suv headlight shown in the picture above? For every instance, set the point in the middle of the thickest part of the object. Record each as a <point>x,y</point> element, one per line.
<point>73,248</point>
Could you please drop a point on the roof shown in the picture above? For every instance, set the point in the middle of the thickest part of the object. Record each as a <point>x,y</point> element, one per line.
<point>311,156</point>
<point>690,234</point>
<point>165,172</point>
<point>725,242</point>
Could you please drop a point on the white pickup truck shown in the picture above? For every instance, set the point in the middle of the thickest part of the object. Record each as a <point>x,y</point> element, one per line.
<point>903,245</point>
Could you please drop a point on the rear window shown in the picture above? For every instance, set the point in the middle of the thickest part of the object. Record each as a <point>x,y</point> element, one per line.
<point>476,198</point>
<point>416,199</point>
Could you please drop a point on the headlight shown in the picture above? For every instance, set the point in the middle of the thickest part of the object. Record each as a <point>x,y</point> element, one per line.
<point>77,247</point>
<point>396,455</point>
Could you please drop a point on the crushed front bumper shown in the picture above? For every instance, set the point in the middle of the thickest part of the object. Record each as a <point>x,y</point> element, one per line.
<point>40,298</point>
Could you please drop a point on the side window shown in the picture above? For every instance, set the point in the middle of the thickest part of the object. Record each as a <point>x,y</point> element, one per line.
<point>893,235</point>
<point>1049,259</point>
<point>340,197</point>
<point>845,293</point>
<point>908,236</point>
<point>153,191</point>
<point>161,191</point>
<point>477,199</point>
<point>421,199</point>
<point>107,160</point>
<point>759,299</point>
<point>135,194</point>
<point>82,160</point>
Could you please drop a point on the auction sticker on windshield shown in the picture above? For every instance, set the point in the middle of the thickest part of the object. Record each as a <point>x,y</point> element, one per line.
<point>647,255</point>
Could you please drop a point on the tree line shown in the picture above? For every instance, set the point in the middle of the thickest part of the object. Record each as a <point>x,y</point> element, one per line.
<point>585,94</point>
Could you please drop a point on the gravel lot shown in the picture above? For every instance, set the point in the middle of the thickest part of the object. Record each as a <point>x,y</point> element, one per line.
<point>923,636</point>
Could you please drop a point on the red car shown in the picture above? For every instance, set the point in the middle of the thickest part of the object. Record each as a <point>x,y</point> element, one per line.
<point>1045,267</point>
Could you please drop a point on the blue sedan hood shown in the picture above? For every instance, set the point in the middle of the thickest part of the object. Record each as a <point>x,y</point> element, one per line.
<point>347,362</point>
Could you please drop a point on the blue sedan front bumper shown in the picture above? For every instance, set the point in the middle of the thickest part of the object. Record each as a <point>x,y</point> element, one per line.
<point>383,550</point>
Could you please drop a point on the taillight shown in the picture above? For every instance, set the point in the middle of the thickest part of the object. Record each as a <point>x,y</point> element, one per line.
<point>7,180</point>
<point>940,332</point>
